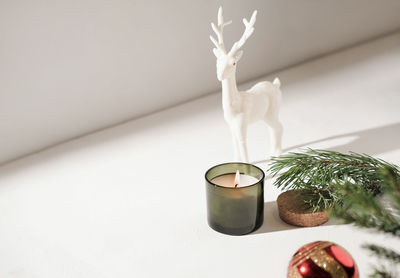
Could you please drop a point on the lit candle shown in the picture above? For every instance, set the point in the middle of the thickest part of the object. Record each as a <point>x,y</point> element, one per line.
<point>234,180</point>
<point>235,198</point>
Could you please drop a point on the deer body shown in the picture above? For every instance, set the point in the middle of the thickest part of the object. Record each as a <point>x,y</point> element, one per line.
<point>241,108</point>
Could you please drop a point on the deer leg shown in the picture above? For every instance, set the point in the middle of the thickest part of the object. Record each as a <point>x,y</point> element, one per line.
<point>276,131</point>
<point>241,135</point>
<point>235,144</point>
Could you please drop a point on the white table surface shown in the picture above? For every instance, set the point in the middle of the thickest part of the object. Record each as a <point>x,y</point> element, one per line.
<point>130,201</point>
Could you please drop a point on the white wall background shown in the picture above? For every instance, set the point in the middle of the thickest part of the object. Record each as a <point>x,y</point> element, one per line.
<point>70,67</point>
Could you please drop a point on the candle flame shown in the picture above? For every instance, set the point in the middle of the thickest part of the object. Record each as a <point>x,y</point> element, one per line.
<point>237,178</point>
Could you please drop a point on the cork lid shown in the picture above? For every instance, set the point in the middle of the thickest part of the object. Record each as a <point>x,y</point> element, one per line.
<point>293,211</point>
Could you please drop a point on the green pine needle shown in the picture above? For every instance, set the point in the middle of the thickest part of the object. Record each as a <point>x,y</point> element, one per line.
<point>383,253</point>
<point>382,215</point>
<point>366,210</point>
<point>348,185</point>
<point>382,272</point>
<point>314,171</point>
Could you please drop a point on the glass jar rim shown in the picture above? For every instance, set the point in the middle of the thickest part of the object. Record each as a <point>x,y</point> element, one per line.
<point>243,163</point>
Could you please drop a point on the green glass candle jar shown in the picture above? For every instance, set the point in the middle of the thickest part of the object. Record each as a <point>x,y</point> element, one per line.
<point>235,198</point>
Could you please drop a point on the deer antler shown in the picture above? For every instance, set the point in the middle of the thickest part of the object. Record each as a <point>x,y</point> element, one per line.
<point>246,34</point>
<point>218,31</point>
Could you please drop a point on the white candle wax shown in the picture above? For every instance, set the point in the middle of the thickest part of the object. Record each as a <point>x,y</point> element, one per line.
<point>228,180</point>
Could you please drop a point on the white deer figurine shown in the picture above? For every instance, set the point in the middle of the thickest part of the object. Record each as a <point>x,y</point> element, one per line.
<point>241,108</point>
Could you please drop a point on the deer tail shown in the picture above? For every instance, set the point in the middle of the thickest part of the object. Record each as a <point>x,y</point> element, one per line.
<point>277,82</point>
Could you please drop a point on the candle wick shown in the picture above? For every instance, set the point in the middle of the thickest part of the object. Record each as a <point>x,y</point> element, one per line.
<point>236,185</point>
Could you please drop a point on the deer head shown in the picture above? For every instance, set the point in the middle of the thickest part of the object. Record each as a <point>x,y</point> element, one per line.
<point>226,62</point>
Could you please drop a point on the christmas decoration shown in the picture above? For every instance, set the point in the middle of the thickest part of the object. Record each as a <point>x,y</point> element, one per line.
<point>314,173</point>
<point>241,108</point>
<point>356,188</point>
<point>322,259</point>
<point>380,214</point>
<point>294,211</point>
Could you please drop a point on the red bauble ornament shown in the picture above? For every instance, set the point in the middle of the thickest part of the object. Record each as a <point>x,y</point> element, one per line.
<point>322,259</point>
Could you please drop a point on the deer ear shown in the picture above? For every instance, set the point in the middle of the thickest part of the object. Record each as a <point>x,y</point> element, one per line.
<point>238,55</point>
<point>217,52</point>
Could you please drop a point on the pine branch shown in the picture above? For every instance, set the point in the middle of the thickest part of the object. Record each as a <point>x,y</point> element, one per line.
<point>314,171</point>
<point>382,272</point>
<point>383,253</point>
<point>367,211</point>
<point>348,185</point>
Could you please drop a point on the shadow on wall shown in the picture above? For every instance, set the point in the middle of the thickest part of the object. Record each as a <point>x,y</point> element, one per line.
<point>383,138</point>
<point>338,60</point>
<point>103,136</point>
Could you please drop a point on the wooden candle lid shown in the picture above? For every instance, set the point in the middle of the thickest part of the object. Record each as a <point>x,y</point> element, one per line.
<point>293,211</point>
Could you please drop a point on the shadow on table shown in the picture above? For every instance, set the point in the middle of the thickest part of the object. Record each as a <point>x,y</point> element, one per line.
<point>370,141</point>
<point>273,223</point>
